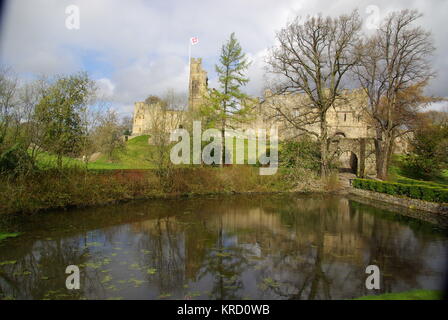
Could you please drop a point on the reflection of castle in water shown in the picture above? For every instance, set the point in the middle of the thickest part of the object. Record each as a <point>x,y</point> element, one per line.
<point>288,247</point>
<point>341,238</point>
<point>328,235</point>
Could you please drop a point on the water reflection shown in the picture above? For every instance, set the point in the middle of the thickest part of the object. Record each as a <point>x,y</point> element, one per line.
<point>235,247</point>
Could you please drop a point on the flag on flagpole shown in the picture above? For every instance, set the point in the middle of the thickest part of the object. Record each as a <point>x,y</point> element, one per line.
<point>194,40</point>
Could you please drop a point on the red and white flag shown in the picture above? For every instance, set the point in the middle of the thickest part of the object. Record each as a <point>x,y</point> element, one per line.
<point>194,40</point>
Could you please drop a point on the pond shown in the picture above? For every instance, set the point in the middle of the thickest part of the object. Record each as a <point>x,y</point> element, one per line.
<point>223,247</point>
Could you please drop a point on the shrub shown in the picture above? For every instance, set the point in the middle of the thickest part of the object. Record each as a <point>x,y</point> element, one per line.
<point>45,189</point>
<point>415,192</point>
<point>391,188</point>
<point>304,153</point>
<point>428,194</point>
<point>422,192</point>
<point>15,160</point>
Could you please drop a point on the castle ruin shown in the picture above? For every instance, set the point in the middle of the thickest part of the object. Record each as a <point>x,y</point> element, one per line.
<point>350,129</point>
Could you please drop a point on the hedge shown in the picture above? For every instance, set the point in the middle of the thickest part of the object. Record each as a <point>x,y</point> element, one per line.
<point>422,192</point>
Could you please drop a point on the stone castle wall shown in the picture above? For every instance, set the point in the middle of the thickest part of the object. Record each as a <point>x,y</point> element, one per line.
<point>350,129</point>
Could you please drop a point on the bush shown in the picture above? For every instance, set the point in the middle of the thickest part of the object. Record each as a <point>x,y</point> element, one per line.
<point>414,191</point>
<point>45,189</point>
<point>392,189</point>
<point>303,153</point>
<point>15,160</point>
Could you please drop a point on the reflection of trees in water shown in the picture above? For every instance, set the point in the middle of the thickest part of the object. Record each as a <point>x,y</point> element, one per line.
<point>224,264</point>
<point>39,272</point>
<point>298,263</point>
<point>313,247</point>
<point>163,245</point>
<point>325,258</point>
<point>398,251</point>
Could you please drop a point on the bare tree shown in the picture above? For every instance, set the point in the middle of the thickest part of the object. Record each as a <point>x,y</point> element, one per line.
<point>29,96</point>
<point>108,134</point>
<point>9,117</point>
<point>165,115</point>
<point>393,60</point>
<point>313,58</point>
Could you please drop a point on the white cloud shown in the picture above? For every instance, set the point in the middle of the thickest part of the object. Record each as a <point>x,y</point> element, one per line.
<point>439,106</point>
<point>136,48</point>
<point>105,88</point>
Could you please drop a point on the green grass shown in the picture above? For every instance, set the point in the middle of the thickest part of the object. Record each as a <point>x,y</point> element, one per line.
<point>396,174</point>
<point>407,295</point>
<point>134,156</point>
<point>47,160</point>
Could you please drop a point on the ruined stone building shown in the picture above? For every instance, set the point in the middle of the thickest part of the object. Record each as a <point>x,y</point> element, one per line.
<point>350,129</point>
<point>148,117</point>
<point>197,85</point>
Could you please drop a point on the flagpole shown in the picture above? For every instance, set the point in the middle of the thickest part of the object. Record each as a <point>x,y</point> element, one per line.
<point>189,67</point>
<point>189,54</point>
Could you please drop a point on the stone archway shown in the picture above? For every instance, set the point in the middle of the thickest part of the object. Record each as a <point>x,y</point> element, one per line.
<point>354,163</point>
<point>348,162</point>
<point>356,155</point>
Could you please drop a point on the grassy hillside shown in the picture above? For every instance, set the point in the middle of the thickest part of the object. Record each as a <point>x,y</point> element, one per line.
<point>397,174</point>
<point>134,156</point>
<point>47,160</point>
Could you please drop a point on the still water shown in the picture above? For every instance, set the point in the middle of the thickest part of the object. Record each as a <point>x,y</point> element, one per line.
<point>227,247</point>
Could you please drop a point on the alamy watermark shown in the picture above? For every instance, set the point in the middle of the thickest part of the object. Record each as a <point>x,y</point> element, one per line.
<point>72,281</point>
<point>72,21</point>
<point>373,280</point>
<point>374,18</point>
<point>257,149</point>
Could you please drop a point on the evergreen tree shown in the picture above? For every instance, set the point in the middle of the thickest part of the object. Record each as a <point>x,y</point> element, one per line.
<point>228,106</point>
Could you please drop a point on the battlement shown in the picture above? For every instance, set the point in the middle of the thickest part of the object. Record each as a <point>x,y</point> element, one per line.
<point>196,60</point>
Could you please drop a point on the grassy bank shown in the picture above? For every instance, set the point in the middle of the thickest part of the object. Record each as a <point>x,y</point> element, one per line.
<point>398,173</point>
<point>408,295</point>
<point>132,174</point>
<point>75,187</point>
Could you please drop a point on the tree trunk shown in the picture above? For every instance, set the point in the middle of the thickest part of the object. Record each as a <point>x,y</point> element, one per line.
<point>223,152</point>
<point>383,149</point>
<point>362,157</point>
<point>323,146</point>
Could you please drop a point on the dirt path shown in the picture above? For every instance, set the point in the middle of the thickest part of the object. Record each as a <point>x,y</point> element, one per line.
<point>344,181</point>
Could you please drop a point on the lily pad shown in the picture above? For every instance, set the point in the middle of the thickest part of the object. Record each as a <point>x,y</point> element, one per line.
<point>106,279</point>
<point>94,244</point>
<point>8,235</point>
<point>3,263</point>
<point>151,271</point>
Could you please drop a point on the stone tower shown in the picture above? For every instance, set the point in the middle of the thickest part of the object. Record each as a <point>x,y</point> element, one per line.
<point>197,84</point>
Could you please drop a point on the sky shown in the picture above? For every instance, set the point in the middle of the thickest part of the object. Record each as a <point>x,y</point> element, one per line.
<point>136,48</point>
